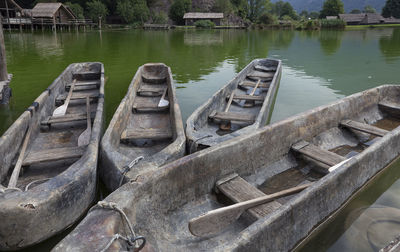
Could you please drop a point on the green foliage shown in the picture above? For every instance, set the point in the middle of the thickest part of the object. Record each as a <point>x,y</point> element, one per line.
<point>369,9</point>
<point>282,8</point>
<point>333,24</point>
<point>332,8</point>
<point>224,6</point>
<point>304,13</point>
<point>308,25</point>
<point>355,11</point>
<point>391,9</point>
<point>133,11</point>
<point>76,9</point>
<point>314,15</point>
<point>267,18</point>
<point>258,7</point>
<point>204,24</point>
<point>178,9</point>
<point>160,18</point>
<point>96,9</point>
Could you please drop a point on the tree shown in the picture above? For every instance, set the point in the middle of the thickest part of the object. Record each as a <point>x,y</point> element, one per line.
<point>355,11</point>
<point>224,6</point>
<point>304,14</point>
<point>391,9</point>
<point>133,10</point>
<point>76,9</point>
<point>96,9</point>
<point>178,9</point>
<point>332,8</point>
<point>369,9</point>
<point>314,15</point>
<point>282,8</point>
<point>258,7</point>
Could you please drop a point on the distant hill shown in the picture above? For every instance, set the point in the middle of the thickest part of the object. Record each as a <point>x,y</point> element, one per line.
<point>316,5</point>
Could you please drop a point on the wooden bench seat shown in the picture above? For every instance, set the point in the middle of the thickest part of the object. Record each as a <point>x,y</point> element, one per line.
<point>86,75</point>
<point>253,84</point>
<point>389,107</point>
<point>247,97</point>
<point>77,96</point>
<point>237,189</point>
<point>86,84</point>
<point>363,127</point>
<point>264,68</point>
<point>64,119</point>
<point>232,116</point>
<point>151,91</point>
<point>148,105</point>
<point>260,75</point>
<point>154,79</point>
<point>323,158</point>
<point>53,155</point>
<point>151,133</point>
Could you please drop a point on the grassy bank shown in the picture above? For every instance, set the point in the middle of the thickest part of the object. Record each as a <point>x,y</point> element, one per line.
<point>362,27</point>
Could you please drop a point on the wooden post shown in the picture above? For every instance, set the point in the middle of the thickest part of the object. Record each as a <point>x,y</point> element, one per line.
<point>100,22</point>
<point>8,16</point>
<point>54,23</point>
<point>3,62</point>
<point>42,24</point>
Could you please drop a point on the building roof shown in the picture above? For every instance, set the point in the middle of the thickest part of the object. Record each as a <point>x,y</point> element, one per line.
<point>392,20</point>
<point>331,17</point>
<point>352,17</point>
<point>203,15</point>
<point>372,18</point>
<point>49,10</point>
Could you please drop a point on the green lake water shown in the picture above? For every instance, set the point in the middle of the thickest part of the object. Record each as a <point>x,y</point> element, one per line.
<point>318,67</point>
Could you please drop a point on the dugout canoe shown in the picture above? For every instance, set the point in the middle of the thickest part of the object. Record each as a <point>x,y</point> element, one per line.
<point>337,148</point>
<point>238,108</point>
<point>57,180</point>
<point>143,135</point>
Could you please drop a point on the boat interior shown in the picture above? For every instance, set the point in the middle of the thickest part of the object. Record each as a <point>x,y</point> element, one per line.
<point>308,157</point>
<point>55,131</point>
<point>146,124</point>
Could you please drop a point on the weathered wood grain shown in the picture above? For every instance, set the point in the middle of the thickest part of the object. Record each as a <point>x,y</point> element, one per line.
<point>318,154</point>
<point>233,116</point>
<point>363,127</point>
<point>153,134</point>
<point>35,157</point>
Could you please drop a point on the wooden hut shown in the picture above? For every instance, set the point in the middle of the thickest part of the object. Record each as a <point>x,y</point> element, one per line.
<point>192,17</point>
<point>10,9</point>
<point>52,13</point>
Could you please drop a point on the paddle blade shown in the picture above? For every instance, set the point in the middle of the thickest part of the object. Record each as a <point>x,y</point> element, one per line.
<point>60,111</point>
<point>214,221</point>
<point>163,103</point>
<point>84,138</point>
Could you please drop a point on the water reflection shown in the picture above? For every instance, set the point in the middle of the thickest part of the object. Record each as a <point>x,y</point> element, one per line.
<point>330,41</point>
<point>389,46</point>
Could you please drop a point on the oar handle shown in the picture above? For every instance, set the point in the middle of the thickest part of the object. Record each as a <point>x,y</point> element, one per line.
<point>88,114</point>
<point>71,89</point>
<point>255,88</point>
<point>229,102</point>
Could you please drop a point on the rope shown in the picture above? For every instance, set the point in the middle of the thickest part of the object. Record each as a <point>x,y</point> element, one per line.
<point>195,141</point>
<point>133,240</point>
<point>129,167</point>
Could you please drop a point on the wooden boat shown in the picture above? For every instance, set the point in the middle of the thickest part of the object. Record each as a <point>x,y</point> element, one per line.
<point>331,151</point>
<point>48,169</point>
<point>146,130</point>
<point>238,108</point>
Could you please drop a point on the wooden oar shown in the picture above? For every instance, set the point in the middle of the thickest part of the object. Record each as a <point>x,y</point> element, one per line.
<point>163,103</point>
<point>243,102</point>
<point>60,111</point>
<point>227,125</point>
<point>214,221</point>
<point>84,138</point>
<point>17,169</point>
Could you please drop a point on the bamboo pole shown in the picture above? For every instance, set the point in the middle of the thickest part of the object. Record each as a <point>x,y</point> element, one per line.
<point>3,62</point>
<point>8,16</point>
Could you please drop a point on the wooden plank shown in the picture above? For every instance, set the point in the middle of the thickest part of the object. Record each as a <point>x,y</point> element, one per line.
<point>78,96</point>
<point>91,84</point>
<point>86,75</point>
<point>232,116</point>
<point>253,84</point>
<point>260,75</point>
<point>363,127</point>
<point>66,118</point>
<point>309,150</point>
<point>264,68</point>
<point>151,91</point>
<point>389,107</point>
<point>248,97</point>
<point>148,105</point>
<point>154,79</point>
<point>238,190</point>
<point>55,154</point>
<point>151,133</point>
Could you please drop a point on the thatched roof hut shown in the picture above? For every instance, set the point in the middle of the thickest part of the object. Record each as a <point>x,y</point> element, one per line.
<point>56,11</point>
<point>192,17</point>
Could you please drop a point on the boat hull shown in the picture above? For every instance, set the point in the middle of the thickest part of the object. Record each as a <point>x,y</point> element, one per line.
<point>161,207</point>
<point>31,216</point>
